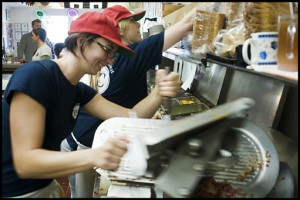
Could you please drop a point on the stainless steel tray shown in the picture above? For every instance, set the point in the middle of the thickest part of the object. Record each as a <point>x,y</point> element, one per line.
<point>185,105</point>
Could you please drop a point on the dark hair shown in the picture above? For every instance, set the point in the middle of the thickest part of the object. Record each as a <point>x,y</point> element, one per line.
<point>71,40</point>
<point>41,33</point>
<point>58,47</point>
<point>35,21</point>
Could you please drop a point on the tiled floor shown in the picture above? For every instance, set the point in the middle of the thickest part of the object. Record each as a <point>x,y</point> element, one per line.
<point>65,184</point>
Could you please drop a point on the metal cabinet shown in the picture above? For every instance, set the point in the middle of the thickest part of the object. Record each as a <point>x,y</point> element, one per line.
<point>276,99</point>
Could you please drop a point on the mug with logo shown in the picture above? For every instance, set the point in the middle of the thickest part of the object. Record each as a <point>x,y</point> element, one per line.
<point>263,48</point>
<point>288,42</point>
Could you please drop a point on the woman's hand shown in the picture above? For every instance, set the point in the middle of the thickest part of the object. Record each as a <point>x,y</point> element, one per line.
<point>109,155</point>
<point>22,60</point>
<point>168,84</point>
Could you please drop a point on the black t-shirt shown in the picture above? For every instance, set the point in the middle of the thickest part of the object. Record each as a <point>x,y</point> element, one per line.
<point>44,82</point>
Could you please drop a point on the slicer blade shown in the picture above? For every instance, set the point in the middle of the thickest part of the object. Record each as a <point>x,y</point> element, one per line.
<point>192,157</point>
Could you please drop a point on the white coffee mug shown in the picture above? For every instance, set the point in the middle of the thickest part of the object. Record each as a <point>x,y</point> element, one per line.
<point>263,47</point>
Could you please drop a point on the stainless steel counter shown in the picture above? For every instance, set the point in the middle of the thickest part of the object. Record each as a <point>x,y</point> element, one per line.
<point>7,71</point>
<point>185,54</point>
<point>5,79</point>
<point>275,96</point>
<point>10,67</point>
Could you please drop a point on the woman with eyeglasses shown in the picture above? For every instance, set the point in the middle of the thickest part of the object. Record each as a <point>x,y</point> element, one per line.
<point>124,82</point>
<point>41,104</point>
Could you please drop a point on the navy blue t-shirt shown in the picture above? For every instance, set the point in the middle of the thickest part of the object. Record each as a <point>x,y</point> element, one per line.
<point>124,83</point>
<point>44,82</point>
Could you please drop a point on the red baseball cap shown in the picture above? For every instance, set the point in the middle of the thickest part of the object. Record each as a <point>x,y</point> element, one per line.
<point>119,12</point>
<point>99,24</point>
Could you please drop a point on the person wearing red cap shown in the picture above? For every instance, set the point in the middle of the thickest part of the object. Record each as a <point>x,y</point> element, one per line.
<point>41,103</point>
<point>124,82</point>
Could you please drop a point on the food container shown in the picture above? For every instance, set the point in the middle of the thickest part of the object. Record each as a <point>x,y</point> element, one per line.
<point>187,105</point>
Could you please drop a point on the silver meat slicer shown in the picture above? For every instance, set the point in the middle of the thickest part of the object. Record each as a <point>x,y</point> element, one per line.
<point>169,158</point>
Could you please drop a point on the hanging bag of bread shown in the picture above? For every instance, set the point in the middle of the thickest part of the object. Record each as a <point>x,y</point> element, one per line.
<point>206,26</point>
<point>243,19</point>
<point>233,34</point>
<point>260,17</point>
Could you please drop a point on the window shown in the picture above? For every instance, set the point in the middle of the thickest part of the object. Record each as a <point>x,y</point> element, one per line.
<point>57,28</point>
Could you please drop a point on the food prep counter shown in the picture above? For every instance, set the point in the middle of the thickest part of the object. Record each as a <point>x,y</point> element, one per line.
<point>180,153</point>
<point>10,67</point>
<point>7,71</point>
<point>216,83</point>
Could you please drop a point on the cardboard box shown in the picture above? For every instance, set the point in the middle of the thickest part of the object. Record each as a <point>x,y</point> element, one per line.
<point>169,8</point>
<point>178,14</point>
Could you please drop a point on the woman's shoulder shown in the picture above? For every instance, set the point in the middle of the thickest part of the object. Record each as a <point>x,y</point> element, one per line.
<point>38,65</point>
<point>45,46</point>
<point>34,71</point>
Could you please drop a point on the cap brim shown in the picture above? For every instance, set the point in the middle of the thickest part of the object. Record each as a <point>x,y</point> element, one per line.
<point>139,15</point>
<point>122,49</point>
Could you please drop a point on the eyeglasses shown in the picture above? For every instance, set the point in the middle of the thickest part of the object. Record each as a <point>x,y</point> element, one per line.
<point>109,53</point>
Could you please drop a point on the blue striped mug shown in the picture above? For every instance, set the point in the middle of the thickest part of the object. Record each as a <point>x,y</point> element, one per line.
<point>263,48</point>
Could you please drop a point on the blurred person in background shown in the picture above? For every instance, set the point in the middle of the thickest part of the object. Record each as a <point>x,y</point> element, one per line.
<point>124,82</point>
<point>27,47</point>
<point>43,51</point>
<point>58,48</point>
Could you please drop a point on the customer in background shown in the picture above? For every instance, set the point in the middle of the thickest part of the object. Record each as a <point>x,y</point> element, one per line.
<point>50,44</point>
<point>124,82</point>
<point>43,51</point>
<point>27,47</point>
<point>41,104</point>
<point>58,47</point>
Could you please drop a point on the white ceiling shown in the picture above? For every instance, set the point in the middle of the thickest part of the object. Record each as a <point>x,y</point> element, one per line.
<point>14,4</point>
<point>36,5</point>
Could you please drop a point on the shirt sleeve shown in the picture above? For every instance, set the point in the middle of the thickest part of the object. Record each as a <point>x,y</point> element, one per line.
<point>31,81</point>
<point>86,92</point>
<point>45,51</point>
